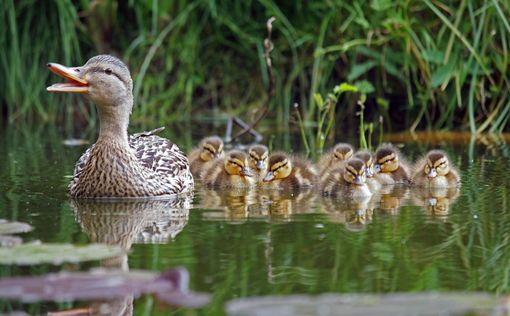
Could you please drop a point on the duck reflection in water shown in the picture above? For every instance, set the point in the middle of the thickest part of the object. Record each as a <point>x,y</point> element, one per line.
<point>123,223</point>
<point>436,201</point>
<point>354,212</point>
<point>225,204</point>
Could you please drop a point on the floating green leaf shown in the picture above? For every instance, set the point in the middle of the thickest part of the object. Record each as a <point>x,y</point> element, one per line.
<point>31,254</point>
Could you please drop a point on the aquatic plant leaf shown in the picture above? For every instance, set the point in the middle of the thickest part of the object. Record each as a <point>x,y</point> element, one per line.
<point>170,287</point>
<point>366,304</point>
<point>8,228</point>
<point>37,253</point>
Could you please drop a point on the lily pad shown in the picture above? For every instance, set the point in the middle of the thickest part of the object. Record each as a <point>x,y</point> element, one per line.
<point>8,228</point>
<point>170,287</point>
<point>366,304</point>
<point>37,253</point>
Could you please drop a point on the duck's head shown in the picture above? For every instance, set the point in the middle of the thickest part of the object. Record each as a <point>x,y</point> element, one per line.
<point>104,79</point>
<point>386,160</point>
<point>258,157</point>
<point>437,164</point>
<point>366,157</point>
<point>279,168</point>
<point>211,148</point>
<point>343,151</point>
<point>236,164</point>
<point>354,171</point>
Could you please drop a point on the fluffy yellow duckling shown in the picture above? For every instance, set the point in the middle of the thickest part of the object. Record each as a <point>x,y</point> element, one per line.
<point>289,172</point>
<point>349,180</point>
<point>435,170</point>
<point>208,149</point>
<point>390,166</point>
<point>334,158</point>
<point>231,171</point>
<point>258,160</point>
<point>368,160</point>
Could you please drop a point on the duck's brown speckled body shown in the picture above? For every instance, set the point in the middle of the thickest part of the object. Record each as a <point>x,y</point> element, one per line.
<point>118,166</point>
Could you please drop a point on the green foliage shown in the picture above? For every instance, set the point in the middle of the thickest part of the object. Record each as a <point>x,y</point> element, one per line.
<point>444,65</point>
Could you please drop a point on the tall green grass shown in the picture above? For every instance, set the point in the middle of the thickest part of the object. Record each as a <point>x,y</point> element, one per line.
<point>432,64</point>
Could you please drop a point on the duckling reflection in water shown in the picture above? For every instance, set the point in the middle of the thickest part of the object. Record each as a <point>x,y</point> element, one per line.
<point>348,181</point>
<point>436,201</point>
<point>234,205</point>
<point>285,172</point>
<point>258,159</point>
<point>390,166</point>
<point>334,159</point>
<point>208,149</point>
<point>231,171</point>
<point>435,170</point>
<point>355,213</point>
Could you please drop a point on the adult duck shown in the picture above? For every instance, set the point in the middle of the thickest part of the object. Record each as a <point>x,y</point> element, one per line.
<point>118,165</point>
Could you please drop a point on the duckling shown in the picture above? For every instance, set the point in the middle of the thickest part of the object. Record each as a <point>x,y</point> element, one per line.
<point>390,166</point>
<point>367,158</point>
<point>289,172</point>
<point>334,158</point>
<point>208,149</point>
<point>349,180</point>
<point>231,171</point>
<point>259,155</point>
<point>435,170</point>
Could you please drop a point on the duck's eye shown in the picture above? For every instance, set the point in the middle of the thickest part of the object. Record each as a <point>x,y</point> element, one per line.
<point>108,71</point>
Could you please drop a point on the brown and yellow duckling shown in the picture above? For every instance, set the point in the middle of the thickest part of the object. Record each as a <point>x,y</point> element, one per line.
<point>368,159</point>
<point>289,172</point>
<point>258,160</point>
<point>208,149</point>
<point>231,171</point>
<point>334,158</point>
<point>390,166</point>
<point>435,170</point>
<point>349,180</point>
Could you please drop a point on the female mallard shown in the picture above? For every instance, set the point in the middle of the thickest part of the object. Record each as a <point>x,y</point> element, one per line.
<point>209,149</point>
<point>118,165</point>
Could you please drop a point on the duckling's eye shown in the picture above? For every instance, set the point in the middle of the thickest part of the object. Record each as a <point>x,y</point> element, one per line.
<point>108,71</point>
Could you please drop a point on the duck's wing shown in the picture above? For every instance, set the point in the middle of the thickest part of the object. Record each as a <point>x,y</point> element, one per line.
<point>159,154</point>
<point>82,161</point>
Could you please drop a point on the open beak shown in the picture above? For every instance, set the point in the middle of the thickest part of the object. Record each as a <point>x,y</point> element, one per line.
<point>269,176</point>
<point>75,82</point>
<point>246,172</point>
<point>432,173</point>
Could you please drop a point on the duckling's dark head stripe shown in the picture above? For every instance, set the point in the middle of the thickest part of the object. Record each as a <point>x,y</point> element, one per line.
<point>365,156</point>
<point>355,166</point>
<point>436,156</point>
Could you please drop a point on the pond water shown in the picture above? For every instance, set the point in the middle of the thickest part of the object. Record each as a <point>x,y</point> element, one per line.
<point>258,244</point>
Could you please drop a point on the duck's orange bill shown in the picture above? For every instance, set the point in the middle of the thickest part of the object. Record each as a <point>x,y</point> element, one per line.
<point>74,81</point>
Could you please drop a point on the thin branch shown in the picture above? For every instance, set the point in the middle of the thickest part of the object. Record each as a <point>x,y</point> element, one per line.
<point>268,47</point>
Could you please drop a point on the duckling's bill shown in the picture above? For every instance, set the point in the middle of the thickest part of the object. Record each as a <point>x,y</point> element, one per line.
<point>74,81</point>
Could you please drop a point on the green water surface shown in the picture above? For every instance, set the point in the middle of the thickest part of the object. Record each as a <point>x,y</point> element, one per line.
<point>272,243</point>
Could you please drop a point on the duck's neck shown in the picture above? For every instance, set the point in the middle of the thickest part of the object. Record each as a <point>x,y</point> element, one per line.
<point>113,122</point>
